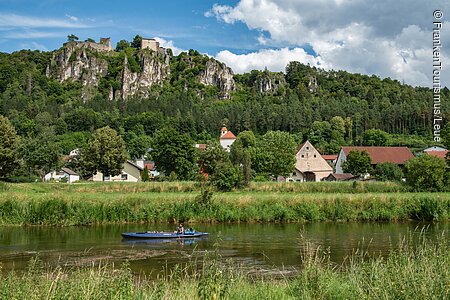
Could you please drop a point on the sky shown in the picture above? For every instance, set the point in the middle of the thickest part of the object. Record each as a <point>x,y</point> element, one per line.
<point>388,38</point>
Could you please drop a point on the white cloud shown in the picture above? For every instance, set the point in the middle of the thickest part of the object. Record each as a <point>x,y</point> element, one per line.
<point>274,60</point>
<point>169,44</point>
<point>390,38</point>
<point>12,20</point>
<point>33,35</point>
<point>34,46</point>
<point>72,18</point>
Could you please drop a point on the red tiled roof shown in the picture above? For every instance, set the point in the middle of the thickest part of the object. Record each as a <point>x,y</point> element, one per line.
<point>396,155</point>
<point>330,156</point>
<point>150,166</point>
<point>440,154</point>
<point>228,136</point>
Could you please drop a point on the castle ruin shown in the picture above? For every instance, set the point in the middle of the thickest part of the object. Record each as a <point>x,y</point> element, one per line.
<point>103,45</point>
<point>151,44</point>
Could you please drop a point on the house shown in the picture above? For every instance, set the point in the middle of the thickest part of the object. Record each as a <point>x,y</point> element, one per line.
<point>330,159</point>
<point>378,155</point>
<point>63,175</point>
<point>436,152</point>
<point>130,173</point>
<point>310,165</point>
<point>227,138</point>
<point>340,177</point>
<point>151,167</point>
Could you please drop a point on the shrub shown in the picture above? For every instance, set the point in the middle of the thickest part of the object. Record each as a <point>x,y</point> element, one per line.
<point>388,172</point>
<point>426,173</point>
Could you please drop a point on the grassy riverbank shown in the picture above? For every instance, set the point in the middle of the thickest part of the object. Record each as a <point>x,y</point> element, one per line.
<point>63,204</point>
<point>412,271</point>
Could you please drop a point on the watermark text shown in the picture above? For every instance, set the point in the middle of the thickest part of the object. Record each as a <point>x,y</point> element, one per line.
<point>437,68</point>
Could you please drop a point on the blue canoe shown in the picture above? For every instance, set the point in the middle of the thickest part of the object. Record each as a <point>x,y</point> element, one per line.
<point>162,235</point>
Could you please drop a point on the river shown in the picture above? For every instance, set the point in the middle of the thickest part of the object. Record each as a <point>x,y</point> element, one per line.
<point>259,248</point>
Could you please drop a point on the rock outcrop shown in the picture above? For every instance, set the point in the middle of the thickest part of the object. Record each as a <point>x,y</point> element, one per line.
<point>77,61</point>
<point>219,75</point>
<point>127,75</point>
<point>155,69</point>
<point>269,82</point>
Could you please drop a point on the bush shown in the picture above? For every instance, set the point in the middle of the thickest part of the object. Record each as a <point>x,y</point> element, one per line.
<point>227,177</point>
<point>426,173</point>
<point>388,172</point>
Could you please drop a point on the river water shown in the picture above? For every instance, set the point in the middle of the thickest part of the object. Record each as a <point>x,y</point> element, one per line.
<point>261,248</point>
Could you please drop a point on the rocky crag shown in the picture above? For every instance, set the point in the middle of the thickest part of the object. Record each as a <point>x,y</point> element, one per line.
<point>130,72</point>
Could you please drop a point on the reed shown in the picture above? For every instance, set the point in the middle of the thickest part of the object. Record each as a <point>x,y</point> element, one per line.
<point>411,271</point>
<point>190,186</point>
<point>83,209</point>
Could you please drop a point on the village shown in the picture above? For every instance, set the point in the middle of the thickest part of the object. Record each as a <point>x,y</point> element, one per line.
<point>310,165</point>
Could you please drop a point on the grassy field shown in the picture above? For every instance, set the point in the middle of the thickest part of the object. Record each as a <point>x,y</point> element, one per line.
<point>98,203</point>
<point>412,271</point>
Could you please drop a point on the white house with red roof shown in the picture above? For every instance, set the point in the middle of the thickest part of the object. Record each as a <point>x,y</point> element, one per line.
<point>227,138</point>
<point>378,155</point>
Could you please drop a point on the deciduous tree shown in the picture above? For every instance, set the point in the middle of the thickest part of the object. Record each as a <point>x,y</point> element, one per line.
<point>8,147</point>
<point>174,152</point>
<point>357,163</point>
<point>426,173</point>
<point>105,152</point>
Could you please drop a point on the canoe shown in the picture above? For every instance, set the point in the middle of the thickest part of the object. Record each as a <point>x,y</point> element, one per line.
<point>162,235</point>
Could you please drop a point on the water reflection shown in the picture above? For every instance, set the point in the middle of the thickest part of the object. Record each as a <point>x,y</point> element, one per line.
<point>262,247</point>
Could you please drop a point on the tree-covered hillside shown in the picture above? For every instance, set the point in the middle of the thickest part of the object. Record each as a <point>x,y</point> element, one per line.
<point>330,108</point>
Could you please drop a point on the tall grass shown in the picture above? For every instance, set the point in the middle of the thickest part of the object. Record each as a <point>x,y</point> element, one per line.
<point>61,209</point>
<point>412,271</point>
<point>189,186</point>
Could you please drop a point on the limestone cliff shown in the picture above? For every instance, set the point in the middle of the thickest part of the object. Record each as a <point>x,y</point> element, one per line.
<point>219,75</point>
<point>269,82</point>
<point>133,72</point>
<point>77,61</point>
<point>155,69</point>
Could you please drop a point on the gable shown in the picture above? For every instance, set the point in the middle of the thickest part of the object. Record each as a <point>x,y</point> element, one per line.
<point>308,159</point>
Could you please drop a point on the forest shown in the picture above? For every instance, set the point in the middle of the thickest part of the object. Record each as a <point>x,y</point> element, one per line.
<point>329,108</point>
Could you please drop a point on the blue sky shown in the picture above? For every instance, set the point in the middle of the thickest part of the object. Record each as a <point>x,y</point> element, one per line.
<point>181,21</point>
<point>389,38</point>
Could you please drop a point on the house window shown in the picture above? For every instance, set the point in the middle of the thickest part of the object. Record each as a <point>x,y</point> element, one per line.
<point>307,148</point>
<point>303,155</point>
<point>293,173</point>
<point>124,176</point>
<point>314,155</point>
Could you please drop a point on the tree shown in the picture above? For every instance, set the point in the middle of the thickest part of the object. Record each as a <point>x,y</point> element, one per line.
<point>211,157</point>
<point>388,172</point>
<point>122,45</point>
<point>174,152</point>
<point>274,154</point>
<point>137,42</point>
<point>227,177</point>
<point>144,175</point>
<point>137,144</point>
<point>375,137</point>
<point>41,154</point>
<point>105,152</point>
<point>72,38</point>
<point>8,147</point>
<point>426,173</point>
<point>445,135</point>
<point>357,163</point>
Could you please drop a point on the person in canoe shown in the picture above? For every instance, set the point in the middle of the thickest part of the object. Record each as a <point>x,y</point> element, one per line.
<point>180,229</point>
